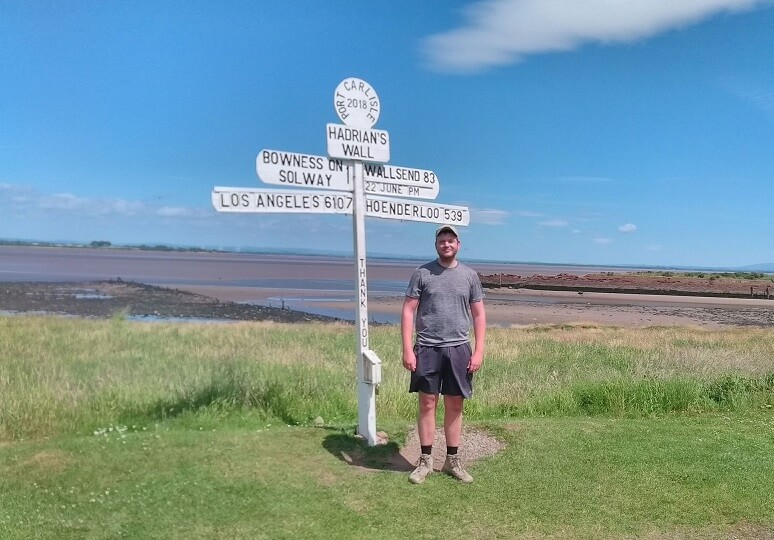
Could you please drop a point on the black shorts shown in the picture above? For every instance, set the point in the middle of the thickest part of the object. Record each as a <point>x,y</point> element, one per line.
<point>443,370</point>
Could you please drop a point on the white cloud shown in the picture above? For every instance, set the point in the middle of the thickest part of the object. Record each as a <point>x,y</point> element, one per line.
<point>14,190</point>
<point>627,228</point>
<point>67,202</point>
<point>488,216</point>
<point>29,200</point>
<point>60,201</point>
<point>173,211</point>
<point>527,213</point>
<point>553,223</point>
<point>501,32</point>
<point>759,96</point>
<point>122,207</point>
<point>602,240</point>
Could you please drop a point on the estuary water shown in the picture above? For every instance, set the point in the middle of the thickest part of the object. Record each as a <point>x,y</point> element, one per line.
<point>301,282</point>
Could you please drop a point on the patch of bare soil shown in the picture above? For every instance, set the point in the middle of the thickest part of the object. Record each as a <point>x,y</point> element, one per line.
<point>105,299</point>
<point>475,445</point>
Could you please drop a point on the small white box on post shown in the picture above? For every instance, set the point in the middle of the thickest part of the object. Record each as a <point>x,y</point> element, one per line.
<point>372,368</point>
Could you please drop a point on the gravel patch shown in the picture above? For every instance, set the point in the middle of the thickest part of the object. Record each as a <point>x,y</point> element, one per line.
<point>475,444</point>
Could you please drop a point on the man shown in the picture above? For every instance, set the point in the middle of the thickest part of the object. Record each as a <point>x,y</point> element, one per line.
<point>445,296</point>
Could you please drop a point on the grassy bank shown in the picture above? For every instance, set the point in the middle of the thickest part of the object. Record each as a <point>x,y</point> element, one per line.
<point>72,376</point>
<point>111,428</point>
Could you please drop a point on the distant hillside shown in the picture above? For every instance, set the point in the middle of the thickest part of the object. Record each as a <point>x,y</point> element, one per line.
<point>761,267</point>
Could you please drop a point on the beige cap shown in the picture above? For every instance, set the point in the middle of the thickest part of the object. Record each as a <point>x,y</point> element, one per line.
<point>447,228</point>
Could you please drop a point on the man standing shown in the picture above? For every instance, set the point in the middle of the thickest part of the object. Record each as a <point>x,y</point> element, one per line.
<point>444,296</point>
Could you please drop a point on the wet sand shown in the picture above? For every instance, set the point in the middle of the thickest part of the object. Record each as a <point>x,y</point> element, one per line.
<point>507,309</point>
<point>523,307</point>
<point>324,286</point>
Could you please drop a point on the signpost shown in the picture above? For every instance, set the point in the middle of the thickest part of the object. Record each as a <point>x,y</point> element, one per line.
<point>352,180</point>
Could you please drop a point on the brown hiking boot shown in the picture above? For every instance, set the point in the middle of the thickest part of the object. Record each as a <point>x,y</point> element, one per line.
<point>424,467</point>
<point>454,468</point>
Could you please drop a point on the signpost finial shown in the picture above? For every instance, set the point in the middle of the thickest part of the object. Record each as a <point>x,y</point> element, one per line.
<point>357,103</point>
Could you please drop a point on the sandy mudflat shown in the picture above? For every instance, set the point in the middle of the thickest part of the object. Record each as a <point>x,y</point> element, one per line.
<point>81,281</point>
<point>527,307</point>
<point>521,307</point>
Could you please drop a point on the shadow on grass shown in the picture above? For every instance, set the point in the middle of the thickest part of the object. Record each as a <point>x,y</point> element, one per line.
<point>272,398</point>
<point>355,451</point>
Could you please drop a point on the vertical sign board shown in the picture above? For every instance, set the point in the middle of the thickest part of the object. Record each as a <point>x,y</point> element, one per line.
<point>352,180</point>
<point>358,106</point>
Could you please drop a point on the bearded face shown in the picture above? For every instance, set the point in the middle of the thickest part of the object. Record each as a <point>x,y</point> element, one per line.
<point>447,245</point>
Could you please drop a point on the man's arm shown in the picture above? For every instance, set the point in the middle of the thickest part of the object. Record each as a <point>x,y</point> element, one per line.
<point>479,331</point>
<point>407,332</point>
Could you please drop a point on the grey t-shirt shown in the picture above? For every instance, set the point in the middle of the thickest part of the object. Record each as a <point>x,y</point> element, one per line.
<point>443,316</point>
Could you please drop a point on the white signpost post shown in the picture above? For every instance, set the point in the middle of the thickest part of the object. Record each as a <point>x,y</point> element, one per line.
<point>353,180</point>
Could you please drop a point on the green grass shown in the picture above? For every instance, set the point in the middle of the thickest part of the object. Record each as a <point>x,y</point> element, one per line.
<point>116,429</point>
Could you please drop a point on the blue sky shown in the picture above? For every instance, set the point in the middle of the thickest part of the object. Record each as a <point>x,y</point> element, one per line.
<point>594,132</point>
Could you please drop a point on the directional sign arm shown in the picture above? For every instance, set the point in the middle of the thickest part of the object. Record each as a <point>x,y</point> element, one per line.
<point>282,201</point>
<point>303,170</point>
<point>292,169</point>
<point>408,210</point>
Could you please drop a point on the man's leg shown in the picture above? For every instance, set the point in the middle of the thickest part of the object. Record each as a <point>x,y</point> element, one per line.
<point>452,426</point>
<point>426,418</point>
<point>426,429</point>
<point>452,419</point>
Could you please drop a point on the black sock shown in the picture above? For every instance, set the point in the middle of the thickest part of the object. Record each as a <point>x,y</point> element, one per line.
<point>427,449</point>
<point>451,450</point>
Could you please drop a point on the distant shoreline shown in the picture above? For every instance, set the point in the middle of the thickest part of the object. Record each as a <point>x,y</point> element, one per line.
<point>767,268</point>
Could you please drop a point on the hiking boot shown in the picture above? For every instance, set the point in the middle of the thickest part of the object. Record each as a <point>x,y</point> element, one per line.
<point>424,467</point>
<point>454,468</point>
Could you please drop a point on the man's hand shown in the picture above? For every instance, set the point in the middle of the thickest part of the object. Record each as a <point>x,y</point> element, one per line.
<point>479,330</point>
<point>475,362</point>
<point>410,360</point>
